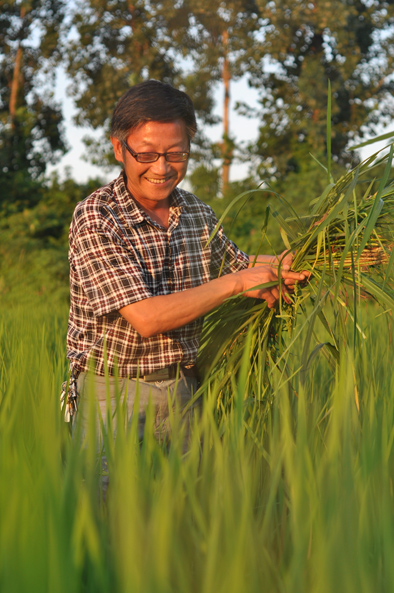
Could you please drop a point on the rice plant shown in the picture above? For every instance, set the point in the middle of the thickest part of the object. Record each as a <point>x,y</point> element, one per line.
<point>346,244</point>
<point>297,497</point>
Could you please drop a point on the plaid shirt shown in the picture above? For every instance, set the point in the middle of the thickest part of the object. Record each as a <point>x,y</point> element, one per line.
<point>119,256</point>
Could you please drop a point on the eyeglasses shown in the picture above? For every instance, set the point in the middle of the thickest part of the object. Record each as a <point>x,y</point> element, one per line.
<point>152,157</point>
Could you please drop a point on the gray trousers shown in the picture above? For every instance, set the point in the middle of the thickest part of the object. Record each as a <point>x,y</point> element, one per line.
<point>123,394</point>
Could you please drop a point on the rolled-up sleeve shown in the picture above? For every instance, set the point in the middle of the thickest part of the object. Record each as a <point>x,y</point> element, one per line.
<point>110,274</point>
<point>226,256</point>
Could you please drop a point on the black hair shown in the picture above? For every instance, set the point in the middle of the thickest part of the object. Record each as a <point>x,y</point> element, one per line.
<point>152,101</point>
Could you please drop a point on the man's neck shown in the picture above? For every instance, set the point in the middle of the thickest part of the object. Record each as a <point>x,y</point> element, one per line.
<point>157,211</point>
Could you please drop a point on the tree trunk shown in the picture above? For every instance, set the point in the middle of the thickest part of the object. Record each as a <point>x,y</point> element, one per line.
<point>226,146</point>
<point>16,76</point>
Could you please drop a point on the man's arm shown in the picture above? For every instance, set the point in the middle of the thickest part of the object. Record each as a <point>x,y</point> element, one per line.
<point>160,314</point>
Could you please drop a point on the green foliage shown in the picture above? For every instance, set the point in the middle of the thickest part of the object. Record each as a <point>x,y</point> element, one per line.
<point>305,45</point>
<point>205,182</point>
<point>31,132</point>
<point>294,496</point>
<point>245,223</point>
<point>34,243</point>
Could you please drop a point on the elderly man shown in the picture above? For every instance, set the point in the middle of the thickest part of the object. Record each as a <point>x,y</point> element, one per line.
<point>143,272</point>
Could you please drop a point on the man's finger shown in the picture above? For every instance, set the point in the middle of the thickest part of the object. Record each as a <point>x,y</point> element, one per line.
<point>293,277</point>
<point>290,286</point>
<point>275,293</point>
<point>286,261</point>
<point>285,295</point>
<point>271,301</point>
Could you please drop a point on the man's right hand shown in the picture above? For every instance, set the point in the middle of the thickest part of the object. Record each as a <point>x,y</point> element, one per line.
<point>262,274</point>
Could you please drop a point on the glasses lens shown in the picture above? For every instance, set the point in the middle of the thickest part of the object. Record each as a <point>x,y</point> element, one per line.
<point>177,157</point>
<point>147,157</point>
<point>171,157</point>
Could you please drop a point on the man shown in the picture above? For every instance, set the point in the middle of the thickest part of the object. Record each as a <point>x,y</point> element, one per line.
<point>143,270</point>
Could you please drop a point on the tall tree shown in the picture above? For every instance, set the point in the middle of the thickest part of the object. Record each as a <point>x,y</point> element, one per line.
<point>219,39</point>
<point>31,132</point>
<point>305,45</point>
<point>119,43</point>
<point>191,44</point>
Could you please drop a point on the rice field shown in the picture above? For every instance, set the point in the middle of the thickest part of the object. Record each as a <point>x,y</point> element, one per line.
<point>285,493</point>
<point>286,485</point>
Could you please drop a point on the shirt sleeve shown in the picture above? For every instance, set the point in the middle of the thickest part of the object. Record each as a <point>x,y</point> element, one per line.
<point>226,256</point>
<point>109,273</point>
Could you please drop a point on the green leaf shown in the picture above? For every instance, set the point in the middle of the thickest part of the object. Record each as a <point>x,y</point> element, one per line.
<point>285,239</point>
<point>329,132</point>
<point>322,198</point>
<point>373,141</point>
<point>377,206</point>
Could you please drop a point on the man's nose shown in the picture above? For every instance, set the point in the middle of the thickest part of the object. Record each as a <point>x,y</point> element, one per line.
<point>161,165</point>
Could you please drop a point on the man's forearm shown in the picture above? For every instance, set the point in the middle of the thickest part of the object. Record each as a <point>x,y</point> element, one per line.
<point>160,314</point>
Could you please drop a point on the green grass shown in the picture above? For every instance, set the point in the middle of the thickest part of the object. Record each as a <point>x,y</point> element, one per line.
<point>293,492</point>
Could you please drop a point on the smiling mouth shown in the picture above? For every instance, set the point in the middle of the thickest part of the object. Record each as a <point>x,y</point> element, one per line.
<point>158,181</point>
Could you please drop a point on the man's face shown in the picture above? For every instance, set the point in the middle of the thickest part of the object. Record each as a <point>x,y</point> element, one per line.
<point>152,183</point>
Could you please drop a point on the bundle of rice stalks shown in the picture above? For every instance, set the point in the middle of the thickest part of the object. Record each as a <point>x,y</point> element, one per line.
<point>346,244</point>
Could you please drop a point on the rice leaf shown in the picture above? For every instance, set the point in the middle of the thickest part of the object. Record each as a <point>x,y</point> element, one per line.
<point>372,141</point>
<point>389,268</point>
<point>319,163</point>
<point>378,204</point>
<point>329,132</point>
<point>285,239</point>
<point>348,248</point>
<point>308,337</point>
<point>321,199</point>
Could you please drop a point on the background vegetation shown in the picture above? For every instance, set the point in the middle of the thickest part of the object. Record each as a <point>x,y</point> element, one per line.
<point>286,51</point>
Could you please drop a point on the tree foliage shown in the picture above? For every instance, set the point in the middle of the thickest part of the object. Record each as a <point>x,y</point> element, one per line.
<point>31,132</point>
<point>193,45</point>
<point>217,40</point>
<point>304,45</point>
<point>34,242</point>
<point>120,43</point>
<point>287,50</point>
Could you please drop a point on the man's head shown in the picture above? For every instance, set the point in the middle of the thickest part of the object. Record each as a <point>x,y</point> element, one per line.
<point>152,101</point>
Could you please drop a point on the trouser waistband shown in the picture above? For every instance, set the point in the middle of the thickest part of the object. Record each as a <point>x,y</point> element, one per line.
<point>165,374</point>
<point>170,372</point>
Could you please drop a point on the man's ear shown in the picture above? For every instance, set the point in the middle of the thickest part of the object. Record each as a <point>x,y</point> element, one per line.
<point>118,150</point>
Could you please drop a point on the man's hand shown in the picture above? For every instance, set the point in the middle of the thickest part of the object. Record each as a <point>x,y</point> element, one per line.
<point>269,272</point>
<point>289,278</point>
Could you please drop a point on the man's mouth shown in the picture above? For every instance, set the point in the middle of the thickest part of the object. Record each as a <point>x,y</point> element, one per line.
<point>157,181</point>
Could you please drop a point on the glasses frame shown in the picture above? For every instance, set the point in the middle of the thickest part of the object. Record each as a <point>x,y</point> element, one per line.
<point>157,155</point>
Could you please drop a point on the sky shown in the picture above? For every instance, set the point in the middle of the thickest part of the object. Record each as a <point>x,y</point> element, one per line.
<point>242,128</point>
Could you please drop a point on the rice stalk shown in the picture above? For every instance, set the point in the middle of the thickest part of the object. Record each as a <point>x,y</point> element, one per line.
<point>346,243</point>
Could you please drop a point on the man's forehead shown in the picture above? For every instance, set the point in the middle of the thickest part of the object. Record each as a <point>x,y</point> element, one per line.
<point>153,131</point>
